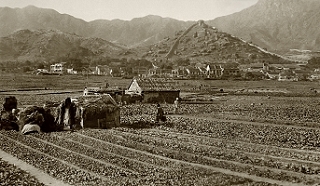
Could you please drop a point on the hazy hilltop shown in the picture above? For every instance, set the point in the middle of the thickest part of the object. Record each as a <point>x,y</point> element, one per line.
<point>275,25</point>
<point>139,31</point>
<point>201,43</point>
<point>33,18</point>
<point>52,44</point>
<point>278,25</point>
<point>146,30</point>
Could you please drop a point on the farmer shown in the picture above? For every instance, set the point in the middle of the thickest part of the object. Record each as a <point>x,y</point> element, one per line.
<point>85,91</point>
<point>66,115</point>
<point>33,123</point>
<point>8,119</point>
<point>176,105</point>
<point>160,114</point>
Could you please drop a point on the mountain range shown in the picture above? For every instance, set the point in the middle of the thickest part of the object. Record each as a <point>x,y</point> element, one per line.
<point>53,44</point>
<point>146,30</point>
<point>275,25</point>
<point>278,25</point>
<point>202,43</point>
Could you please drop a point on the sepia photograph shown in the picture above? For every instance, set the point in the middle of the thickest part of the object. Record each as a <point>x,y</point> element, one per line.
<point>160,92</point>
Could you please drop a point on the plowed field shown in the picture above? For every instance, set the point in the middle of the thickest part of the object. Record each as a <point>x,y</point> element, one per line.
<point>242,139</point>
<point>187,150</point>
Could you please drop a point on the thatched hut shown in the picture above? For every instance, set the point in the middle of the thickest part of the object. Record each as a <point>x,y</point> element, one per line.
<point>98,111</point>
<point>154,90</point>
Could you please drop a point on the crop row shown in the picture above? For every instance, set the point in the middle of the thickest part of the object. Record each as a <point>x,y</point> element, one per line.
<point>176,170</point>
<point>106,170</point>
<point>48,164</point>
<point>195,158</point>
<point>12,175</point>
<point>303,155</point>
<point>103,154</point>
<point>117,149</point>
<point>297,113</point>
<point>276,135</point>
<point>222,152</point>
<point>178,176</point>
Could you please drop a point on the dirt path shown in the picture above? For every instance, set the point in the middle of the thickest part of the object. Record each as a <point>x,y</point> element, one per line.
<point>37,173</point>
<point>221,170</point>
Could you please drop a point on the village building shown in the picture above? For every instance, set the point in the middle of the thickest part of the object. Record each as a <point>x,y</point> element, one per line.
<point>255,67</point>
<point>158,72</point>
<point>193,73</point>
<point>71,71</point>
<point>179,72</point>
<point>272,75</point>
<point>42,71</point>
<point>91,70</point>
<point>57,68</point>
<point>213,72</point>
<point>314,75</point>
<point>175,72</point>
<point>288,75</point>
<point>153,90</point>
<point>103,70</point>
<point>230,71</point>
<point>140,71</point>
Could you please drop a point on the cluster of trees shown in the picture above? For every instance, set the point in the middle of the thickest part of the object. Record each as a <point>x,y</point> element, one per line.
<point>18,66</point>
<point>75,63</point>
<point>313,63</point>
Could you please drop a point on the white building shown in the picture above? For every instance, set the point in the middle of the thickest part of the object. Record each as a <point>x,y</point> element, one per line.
<point>56,68</point>
<point>71,71</point>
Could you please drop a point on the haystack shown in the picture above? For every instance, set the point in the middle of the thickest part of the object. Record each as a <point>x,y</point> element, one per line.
<point>98,111</point>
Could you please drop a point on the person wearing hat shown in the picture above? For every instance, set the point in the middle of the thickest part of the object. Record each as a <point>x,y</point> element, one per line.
<point>160,114</point>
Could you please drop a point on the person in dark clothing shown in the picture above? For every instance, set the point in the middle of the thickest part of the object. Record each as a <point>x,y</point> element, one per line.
<point>49,125</point>
<point>8,120</point>
<point>66,115</point>
<point>10,103</point>
<point>160,114</point>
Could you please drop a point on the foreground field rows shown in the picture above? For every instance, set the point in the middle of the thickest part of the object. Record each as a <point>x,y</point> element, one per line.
<point>165,155</point>
<point>186,150</point>
<point>62,166</point>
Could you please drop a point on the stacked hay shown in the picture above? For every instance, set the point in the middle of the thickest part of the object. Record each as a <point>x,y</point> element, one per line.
<point>8,119</point>
<point>37,116</point>
<point>98,111</point>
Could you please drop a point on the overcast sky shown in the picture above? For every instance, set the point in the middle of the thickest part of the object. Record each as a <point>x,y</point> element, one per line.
<point>89,10</point>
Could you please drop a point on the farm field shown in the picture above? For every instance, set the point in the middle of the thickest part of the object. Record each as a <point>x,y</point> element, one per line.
<point>251,139</point>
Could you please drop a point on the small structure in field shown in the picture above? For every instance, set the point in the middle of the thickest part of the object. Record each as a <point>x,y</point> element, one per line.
<point>154,90</point>
<point>98,111</point>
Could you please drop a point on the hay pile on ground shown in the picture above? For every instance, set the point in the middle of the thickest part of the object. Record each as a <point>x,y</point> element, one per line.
<point>99,111</point>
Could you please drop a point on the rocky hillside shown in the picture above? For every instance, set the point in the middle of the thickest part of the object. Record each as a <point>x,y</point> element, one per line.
<point>138,31</point>
<point>47,45</point>
<point>278,25</point>
<point>205,44</point>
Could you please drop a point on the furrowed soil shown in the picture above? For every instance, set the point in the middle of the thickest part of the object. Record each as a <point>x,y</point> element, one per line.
<point>236,140</point>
